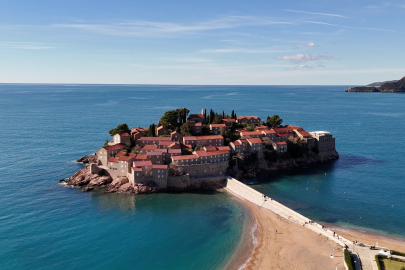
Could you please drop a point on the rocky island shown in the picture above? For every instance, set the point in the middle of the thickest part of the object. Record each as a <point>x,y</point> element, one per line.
<point>198,151</point>
<point>384,87</point>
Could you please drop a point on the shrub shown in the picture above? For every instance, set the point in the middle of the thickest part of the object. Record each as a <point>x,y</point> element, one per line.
<point>348,260</point>
<point>393,252</point>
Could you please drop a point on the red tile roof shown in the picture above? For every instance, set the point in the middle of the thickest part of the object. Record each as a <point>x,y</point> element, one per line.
<point>166,143</point>
<point>223,148</point>
<point>254,140</point>
<point>184,157</point>
<point>137,169</point>
<point>295,127</point>
<point>155,139</point>
<point>195,116</point>
<point>280,143</point>
<point>155,153</point>
<point>304,133</point>
<point>201,153</point>
<point>284,129</point>
<point>229,120</point>
<point>251,133</point>
<point>175,132</point>
<point>201,138</point>
<point>149,147</point>
<point>142,163</point>
<point>142,157</point>
<point>236,143</point>
<point>210,148</point>
<point>120,154</point>
<point>128,159</point>
<point>115,147</point>
<point>218,125</point>
<point>124,134</point>
<point>198,125</point>
<point>268,131</point>
<point>161,150</point>
<point>132,155</point>
<point>285,135</point>
<point>113,160</point>
<point>174,151</point>
<point>164,167</point>
<point>161,127</point>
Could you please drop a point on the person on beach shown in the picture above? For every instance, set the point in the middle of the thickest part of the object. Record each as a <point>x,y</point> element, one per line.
<point>276,231</point>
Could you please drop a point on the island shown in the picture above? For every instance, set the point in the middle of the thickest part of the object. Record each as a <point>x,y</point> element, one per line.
<point>198,151</point>
<point>395,86</point>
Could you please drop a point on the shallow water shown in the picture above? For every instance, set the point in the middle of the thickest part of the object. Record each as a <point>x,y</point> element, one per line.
<point>44,128</point>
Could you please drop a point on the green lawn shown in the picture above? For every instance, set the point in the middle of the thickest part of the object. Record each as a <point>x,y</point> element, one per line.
<point>392,265</point>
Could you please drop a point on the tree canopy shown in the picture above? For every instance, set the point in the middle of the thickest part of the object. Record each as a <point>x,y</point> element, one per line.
<point>123,128</point>
<point>274,121</point>
<point>174,118</point>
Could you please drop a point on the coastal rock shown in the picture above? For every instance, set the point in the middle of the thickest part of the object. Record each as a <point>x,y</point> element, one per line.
<point>87,189</point>
<point>87,159</point>
<point>126,188</point>
<point>384,87</point>
<point>117,183</point>
<point>100,180</point>
<point>362,89</point>
<point>80,178</point>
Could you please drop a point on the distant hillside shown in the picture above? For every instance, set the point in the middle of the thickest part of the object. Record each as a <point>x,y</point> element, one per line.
<point>378,84</point>
<point>385,87</point>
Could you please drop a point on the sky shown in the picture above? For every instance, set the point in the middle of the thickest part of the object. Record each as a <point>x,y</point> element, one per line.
<point>313,42</point>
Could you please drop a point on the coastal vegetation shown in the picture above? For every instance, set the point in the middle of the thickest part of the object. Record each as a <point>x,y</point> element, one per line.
<point>385,87</point>
<point>122,128</point>
<point>349,260</point>
<point>389,263</point>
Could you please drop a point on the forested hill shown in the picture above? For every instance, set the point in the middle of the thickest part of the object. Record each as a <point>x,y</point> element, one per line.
<point>388,87</point>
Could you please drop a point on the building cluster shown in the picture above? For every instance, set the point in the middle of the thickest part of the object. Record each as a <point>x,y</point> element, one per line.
<point>170,154</point>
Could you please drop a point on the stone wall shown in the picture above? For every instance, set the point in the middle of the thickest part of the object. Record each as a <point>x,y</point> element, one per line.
<point>185,182</point>
<point>206,169</point>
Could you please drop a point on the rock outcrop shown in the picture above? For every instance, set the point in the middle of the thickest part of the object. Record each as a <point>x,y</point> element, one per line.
<point>83,178</point>
<point>87,159</point>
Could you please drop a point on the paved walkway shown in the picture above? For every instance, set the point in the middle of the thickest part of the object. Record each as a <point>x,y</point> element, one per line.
<point>366,255</point>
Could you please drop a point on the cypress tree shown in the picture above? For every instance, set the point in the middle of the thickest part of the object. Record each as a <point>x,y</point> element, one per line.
<point>233,114</point>
<point>223,114</point>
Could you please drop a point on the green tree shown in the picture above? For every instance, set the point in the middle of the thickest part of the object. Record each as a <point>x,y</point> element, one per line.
<point>217,119</point>
<point>274,121</point>
<point>182,115</point>
<point>185,129</point>
<point>106,142</point>
<point>123,128</point>
<point>233,114</point>
<point>169,119</point>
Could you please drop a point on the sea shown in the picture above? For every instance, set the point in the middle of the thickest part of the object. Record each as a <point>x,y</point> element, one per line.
<point>44,128</point>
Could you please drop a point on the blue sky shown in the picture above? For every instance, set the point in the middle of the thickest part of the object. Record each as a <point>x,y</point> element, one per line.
<point>202,42</point>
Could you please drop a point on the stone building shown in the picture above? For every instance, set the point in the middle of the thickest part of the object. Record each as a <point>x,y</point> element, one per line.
<point>217,128</point>
<point>198,118</point>
<point>121,138</point>
<point>160,131</point>
<point>211,140</point>
<point>325,143</point>
<point>251,120</point>
<point>280,147</point>
<point>152,140</point>
<point>251,134</point>
<point>176,136</point>
<point>106,152</point>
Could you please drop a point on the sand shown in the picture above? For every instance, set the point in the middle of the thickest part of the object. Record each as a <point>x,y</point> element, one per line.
<point>293,247</point>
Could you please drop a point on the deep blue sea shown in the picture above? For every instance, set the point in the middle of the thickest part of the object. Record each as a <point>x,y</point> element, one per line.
<point>44,128</point>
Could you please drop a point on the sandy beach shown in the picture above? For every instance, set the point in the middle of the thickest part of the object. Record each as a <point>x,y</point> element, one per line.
<point>296,247</point>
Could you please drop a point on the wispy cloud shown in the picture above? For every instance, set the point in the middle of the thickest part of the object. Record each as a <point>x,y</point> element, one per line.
<point>157,29</point>
<point>27,45</point>
<point>241,50</point>
<point>352,27</point>
<point>315,13</point>
<point>309,44</point>
<point>299,58</point>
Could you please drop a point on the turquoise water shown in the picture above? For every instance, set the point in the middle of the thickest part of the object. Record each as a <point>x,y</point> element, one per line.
<point>44,128</point>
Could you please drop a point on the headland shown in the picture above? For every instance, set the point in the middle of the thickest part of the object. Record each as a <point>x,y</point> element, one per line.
<point>395,86</point>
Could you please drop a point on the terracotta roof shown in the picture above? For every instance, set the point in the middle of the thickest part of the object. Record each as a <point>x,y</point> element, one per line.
<point>161,150</point>
<point>218,125</point>
<point>164,167</point>
<point>200,138</point>
<point>174,151</point>
<point>242,140</point>
<point>137,169</point>
<point>132,155</point>
<point>161,127</point>
<point>154,153</point>
<point>231,120</point>
<point>254,140</point>
<point>236,143</point>
<point>142,163</point>
<point>210,148</point>
<point>284,129</point>
<point>195,116</point>
<point>184,157</point>
<point>285,135</point>
<point>295,127</point>
<point>223,148</point>
<point>251,133</point>
<point>175,132</point>
<point>125,159</point>
<point>115,147</point>
<point>173,144</point>
<point>268,131</point>
<point>201,153</point>
<point>143,157</point>
<point>120,154</point>
<point>113,160</point>
<point>304,133</point>
<point>149,147</point>
<point>198,125</point>
<point>155,139</point>
<point>188,145</point>
<point>280,143</point>
<point>166,143</point>
<point>124,134</point>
